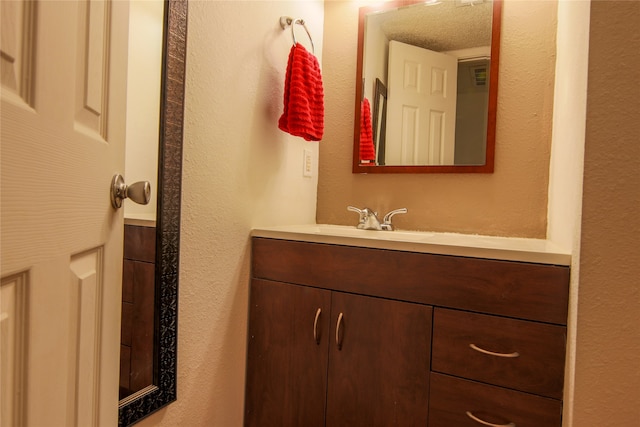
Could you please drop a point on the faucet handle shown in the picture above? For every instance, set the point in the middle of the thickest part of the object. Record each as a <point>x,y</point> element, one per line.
<point>354,209</point>
<point>362,213</point>
<point>386,222</point>
<point>368,218</point>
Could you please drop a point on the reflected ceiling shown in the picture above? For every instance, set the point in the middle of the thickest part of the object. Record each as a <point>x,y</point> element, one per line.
<point>467,26</point>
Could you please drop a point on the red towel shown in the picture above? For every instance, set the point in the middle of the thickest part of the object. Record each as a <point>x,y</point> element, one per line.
<point>367,149</point>
<point>303,96</point>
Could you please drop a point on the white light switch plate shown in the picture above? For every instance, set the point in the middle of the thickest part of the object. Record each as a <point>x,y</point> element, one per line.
<point>307,163</point>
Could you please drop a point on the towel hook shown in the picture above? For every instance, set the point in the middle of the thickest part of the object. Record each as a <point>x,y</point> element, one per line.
<point>286,21</point>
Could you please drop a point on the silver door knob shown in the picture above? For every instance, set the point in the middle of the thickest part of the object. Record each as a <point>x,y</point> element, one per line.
<point>139,192</point>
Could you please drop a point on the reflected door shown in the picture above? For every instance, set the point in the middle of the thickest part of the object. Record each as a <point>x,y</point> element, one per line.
<point>63,106</point>
<point>421,106</point>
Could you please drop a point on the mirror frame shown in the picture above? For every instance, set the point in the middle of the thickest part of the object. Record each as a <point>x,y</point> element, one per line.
<point>492,107</point>
<point>163,390</point>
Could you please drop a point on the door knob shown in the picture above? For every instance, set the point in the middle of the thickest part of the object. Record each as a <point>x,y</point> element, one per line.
<point>139,192</point>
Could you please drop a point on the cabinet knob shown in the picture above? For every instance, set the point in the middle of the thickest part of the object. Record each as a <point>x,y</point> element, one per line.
<point>486,423</point>
<point>492,353</point>
<point>339,331</point>
<point>316,334</point>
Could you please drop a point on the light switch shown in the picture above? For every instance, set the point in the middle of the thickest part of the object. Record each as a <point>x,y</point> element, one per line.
<point>307,163</point>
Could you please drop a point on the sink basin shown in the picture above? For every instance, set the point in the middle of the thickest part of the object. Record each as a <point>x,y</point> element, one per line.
<point>347,231</point>
<point>471,245</point>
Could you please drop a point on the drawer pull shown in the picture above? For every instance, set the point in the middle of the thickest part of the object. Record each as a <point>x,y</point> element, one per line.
<point>338,334</point>
<point>491,353</point>
<point>485,423</point>
<point>316,335</point>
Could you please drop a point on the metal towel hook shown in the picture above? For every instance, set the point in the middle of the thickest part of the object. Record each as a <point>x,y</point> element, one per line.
<point>286,21</point>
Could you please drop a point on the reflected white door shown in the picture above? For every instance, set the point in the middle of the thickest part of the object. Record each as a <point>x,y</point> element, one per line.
<point>63,131</point>
<point>421,106</point>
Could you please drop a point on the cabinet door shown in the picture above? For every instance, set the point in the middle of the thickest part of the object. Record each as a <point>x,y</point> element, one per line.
<point>378,362</point>
<point>286,355</point>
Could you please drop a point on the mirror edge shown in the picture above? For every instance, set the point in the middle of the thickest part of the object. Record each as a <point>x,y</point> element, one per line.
<point>163,392</point>
<point>488,167</point>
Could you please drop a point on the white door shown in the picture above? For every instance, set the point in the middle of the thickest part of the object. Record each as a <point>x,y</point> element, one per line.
<point>63,131</point>
<point>421,106</point>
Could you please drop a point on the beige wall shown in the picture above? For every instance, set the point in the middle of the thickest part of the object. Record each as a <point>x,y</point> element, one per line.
<point>607,382</point>
<point>239,171</point>
<point>510,202</point>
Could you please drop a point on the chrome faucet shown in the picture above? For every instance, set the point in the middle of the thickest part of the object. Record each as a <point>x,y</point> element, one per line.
<point>369,219</point>
<point>386,221</point>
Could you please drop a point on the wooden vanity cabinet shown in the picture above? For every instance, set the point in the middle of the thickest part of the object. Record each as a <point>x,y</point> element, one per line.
<point>319,357</point>
<point>423,339</point>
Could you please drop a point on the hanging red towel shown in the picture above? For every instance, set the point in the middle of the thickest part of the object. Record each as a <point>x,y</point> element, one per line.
<point>367,149</point>
<point>303,96</point>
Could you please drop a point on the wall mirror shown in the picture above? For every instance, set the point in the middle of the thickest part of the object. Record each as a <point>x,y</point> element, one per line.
<point>426,87</point>
<point>161,389</point>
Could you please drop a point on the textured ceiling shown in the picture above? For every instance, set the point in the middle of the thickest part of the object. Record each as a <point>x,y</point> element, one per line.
<point>448,25</point>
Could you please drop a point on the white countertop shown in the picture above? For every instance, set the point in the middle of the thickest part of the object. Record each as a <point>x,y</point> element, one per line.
<point>469,245</point>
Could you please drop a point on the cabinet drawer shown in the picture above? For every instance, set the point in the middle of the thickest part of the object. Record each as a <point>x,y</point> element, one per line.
<point>455,401</point>
<point>518,354</point>
<point>508,288</point>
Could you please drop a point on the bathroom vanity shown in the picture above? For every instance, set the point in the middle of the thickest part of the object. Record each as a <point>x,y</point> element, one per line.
<point>364,328</point>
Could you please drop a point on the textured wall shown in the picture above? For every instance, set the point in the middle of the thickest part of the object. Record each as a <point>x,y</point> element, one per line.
<point>607,383</point>
<point>239,171</point>
<point>510,202</point>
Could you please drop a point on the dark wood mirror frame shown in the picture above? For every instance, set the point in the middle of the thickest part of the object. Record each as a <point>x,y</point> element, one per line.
<point>492,107</point>
<point>163,391</point>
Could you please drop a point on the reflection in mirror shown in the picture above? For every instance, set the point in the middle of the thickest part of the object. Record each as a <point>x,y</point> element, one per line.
<point>380,120</point>
<point>146,27</point>
<point>159,388</point>
<point>422,53</point>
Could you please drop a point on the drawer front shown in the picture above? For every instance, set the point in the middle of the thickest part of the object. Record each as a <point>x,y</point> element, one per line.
<point>518,354</point>
<point>508,288</point>
<point>463,403</point>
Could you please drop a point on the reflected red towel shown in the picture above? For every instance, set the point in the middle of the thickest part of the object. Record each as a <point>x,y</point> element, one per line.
<point>303,96</point>
<point>367,149</point>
